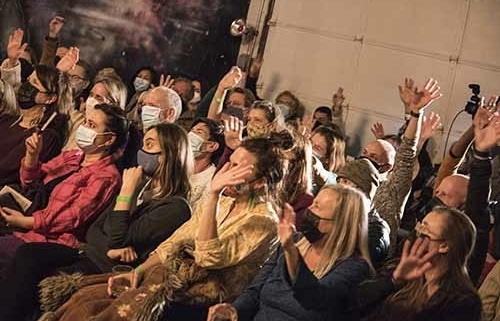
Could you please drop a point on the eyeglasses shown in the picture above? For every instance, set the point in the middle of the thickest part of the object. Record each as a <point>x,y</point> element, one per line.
<point>76,78</point>
<point>422,232</point>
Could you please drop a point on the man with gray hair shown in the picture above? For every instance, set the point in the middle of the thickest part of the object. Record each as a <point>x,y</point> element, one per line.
<point>160,105</point>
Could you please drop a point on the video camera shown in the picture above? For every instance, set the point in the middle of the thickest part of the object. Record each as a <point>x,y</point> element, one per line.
<point>474,100</point>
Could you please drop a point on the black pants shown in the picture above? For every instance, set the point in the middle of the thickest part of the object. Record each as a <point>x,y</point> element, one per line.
<point>31,264</point>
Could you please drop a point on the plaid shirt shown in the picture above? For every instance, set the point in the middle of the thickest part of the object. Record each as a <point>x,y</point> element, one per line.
<point>75,202</point>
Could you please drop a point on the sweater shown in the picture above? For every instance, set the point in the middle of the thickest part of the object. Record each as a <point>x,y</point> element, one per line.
<point>144,229</point>
<point>272,296</point>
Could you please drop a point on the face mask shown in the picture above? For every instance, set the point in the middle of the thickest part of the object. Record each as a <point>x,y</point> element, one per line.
<point>150,116</point>
<point>148,161</point>
<point>309,227</point>
<point>85,138</point>
<point>257,131</point>
<point>377,166</point>
<point>26,95</point>
<point>196,98</point>
<point>196,142</point>
<point>234,111</point>
<point>141,84</point>
<point>90,104</point>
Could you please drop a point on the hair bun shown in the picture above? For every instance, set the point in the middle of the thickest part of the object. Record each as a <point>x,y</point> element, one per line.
<point>282,140</point>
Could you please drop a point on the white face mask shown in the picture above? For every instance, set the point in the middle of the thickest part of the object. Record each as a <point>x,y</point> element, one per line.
<point>150,116</point>
<point>85,138</point>
<point>141,84</point>
<point>195,141</point>
<point>90,104</point>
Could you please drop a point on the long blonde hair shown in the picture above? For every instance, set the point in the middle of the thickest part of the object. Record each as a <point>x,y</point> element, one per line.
<point>349,235</point>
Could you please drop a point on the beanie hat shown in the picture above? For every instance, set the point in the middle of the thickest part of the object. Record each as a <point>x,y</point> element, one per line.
<point>363,174</point>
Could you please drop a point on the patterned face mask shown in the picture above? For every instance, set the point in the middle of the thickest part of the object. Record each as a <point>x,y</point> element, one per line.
<point>258,130</point>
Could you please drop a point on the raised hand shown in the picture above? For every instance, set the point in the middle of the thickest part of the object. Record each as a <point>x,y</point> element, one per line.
<point>34,144</point>
<point>233,132</point>
<point>378,130</point>
<point>222,311</point>
<point>131,179</point>
<point>423,98</point>
<point>338,98</point>
<point>231,79</point>
<point>230,176</point>
<point>407,92</point>
<point>415,261</point>
<point>486,130</point>
<point>492,104</point>
<point>15,46</point>
<point>55,26</point>
<point>286,227</point>
<point>167,81</point>
<point>429,126</point>
<point>69,60</point>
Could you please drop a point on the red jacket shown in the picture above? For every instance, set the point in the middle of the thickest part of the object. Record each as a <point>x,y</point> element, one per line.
<point>75,202</point>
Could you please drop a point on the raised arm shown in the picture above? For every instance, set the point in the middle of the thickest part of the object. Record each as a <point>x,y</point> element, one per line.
<point>231,79</point>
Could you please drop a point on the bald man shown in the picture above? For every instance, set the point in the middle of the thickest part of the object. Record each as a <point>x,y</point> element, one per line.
<point>452,191</point>
<point>381,153</point>
<point>160,105</point>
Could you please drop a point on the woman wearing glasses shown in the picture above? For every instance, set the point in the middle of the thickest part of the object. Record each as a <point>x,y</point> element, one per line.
<point>313,278</point>
<point>431,280</point>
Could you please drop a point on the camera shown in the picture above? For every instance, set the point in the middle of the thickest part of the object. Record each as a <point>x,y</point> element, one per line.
<point>474,100</point>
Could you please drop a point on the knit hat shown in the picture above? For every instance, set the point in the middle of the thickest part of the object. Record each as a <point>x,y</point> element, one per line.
<point>363,174</point>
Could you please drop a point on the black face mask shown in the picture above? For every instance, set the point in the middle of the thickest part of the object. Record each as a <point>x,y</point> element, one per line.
<point>26,95</point>
<point>309,227</point>
<point>378,167</point>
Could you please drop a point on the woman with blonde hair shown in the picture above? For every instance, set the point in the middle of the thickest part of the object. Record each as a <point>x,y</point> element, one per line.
<point>312,279</point>
<point>329,155</point>
<point>8,104</point>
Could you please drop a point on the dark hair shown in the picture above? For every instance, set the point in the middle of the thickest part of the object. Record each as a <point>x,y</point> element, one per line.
<point>297,109</point>
<point>154,74</point>
<point>249,96</point>
<point>325,110</point>
<point>267,106</point>
<point>117,123</point>
<point>190,92</point>
<point>216,132</point>
<point>335,147</point>
<point>173,174</point>
<point>49,78</point>
<point>270,162</point>
<point>89,71</point>
<point>56,83</point>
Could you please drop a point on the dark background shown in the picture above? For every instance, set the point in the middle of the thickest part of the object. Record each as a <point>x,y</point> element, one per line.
<point>180,37</point>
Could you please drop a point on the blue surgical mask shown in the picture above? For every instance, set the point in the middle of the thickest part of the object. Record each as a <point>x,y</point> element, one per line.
<point>148,161</point>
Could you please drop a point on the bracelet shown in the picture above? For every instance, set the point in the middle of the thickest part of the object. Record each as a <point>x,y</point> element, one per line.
<point>482,156</point>
<point>122,198</point>
<point>139,270</point>
<point>414,114</point>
